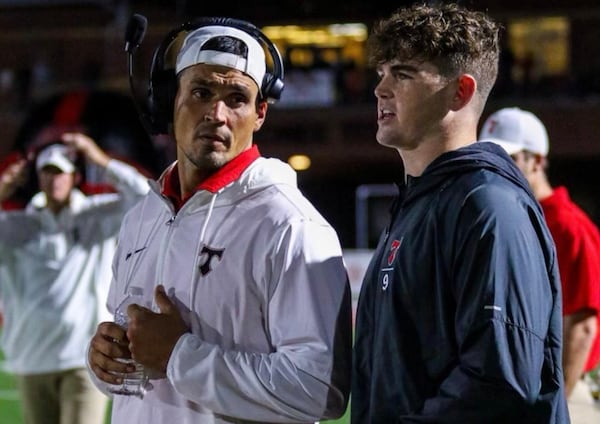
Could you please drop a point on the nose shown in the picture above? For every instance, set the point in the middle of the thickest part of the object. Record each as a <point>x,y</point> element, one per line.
<point>382,89</point>
<point>217,112</point>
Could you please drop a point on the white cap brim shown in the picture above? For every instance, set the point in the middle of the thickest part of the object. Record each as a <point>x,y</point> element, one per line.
<point>55,156</point>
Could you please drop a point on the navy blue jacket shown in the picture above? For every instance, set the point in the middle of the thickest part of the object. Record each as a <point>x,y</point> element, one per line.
<point>459,316</point>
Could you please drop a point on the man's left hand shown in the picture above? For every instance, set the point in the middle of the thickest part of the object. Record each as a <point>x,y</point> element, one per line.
<point>152,336</point>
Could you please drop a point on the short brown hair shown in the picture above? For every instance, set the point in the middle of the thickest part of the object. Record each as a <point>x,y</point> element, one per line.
<point>451,37</point>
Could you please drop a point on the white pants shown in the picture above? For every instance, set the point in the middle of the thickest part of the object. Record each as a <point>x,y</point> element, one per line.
<point>583,408</point>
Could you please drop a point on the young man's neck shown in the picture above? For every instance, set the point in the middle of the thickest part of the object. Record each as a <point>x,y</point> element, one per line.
<point>416,160</point>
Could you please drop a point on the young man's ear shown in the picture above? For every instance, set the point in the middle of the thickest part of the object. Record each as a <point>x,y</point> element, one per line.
<point>466,86</point>
<point>540,161</point>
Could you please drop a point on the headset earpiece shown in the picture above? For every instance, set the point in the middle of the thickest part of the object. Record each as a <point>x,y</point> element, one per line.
<point>161,98</point>
<point>272,88</point>
<point>162,86</point>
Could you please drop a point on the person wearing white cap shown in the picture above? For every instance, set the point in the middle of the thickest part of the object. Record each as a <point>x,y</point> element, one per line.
<point>524,137</point>
<point>54,276</point>
<point>255,311</point>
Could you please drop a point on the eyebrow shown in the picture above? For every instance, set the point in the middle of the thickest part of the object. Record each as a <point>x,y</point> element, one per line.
<point>212,83</point>
<point>403,67</point>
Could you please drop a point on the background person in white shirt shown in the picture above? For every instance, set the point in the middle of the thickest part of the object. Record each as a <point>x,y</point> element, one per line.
<point>55,261</point>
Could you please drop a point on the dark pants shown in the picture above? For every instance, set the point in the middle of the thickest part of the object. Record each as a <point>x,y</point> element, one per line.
<point>65,397</point>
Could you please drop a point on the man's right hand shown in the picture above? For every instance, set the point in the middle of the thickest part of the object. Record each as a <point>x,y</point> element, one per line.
<point>87,146</point>
<point>109,344</point>
<point>13,176</point>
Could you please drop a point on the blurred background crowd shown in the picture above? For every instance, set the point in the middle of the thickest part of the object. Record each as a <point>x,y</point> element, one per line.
<point>63,64</point>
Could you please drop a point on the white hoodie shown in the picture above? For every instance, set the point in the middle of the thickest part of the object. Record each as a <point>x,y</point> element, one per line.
<point>55,271</point>
<point>258,276</point>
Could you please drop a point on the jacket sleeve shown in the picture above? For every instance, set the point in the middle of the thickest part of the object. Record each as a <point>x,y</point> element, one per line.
<point>16,228</point>
<point>107,210</point>
<point>130,183</point>
<point>306,376</point>
<point>507,321</point>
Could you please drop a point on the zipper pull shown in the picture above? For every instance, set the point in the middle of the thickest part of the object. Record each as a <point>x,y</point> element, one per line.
<point>386,234</point>
<point>171,220</point>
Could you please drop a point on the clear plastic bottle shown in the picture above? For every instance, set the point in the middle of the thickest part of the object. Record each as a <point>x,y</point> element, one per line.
<point>134,383</point>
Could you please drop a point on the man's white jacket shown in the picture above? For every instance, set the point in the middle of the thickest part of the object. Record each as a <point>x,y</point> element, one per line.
<point>55,271</point>
<point>258,276</point>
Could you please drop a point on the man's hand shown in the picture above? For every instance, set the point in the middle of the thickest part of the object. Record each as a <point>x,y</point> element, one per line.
<point>109,343</point>
<point>152,336</point>
<point>88,147</point>
<point>13,176</point>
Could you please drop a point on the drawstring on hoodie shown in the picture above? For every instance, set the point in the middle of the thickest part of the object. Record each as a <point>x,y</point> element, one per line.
<point>211,207</point>
<point>137,245</point>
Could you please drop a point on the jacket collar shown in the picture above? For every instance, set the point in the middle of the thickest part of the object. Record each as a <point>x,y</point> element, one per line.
<point>225,175</point>
<point>76,201</point>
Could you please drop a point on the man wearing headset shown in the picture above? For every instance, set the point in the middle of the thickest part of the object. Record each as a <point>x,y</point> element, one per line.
<point>253,320</point>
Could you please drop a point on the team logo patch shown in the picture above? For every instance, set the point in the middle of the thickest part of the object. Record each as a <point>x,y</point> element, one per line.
<point>208,253</point>
<point>393,250</point>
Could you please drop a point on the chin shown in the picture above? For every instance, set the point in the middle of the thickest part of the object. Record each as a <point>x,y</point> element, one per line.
<point>385,141</point>
<point>213,160</point>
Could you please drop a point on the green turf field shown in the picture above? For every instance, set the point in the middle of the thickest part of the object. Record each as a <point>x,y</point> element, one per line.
<point>11,414</point>
<point>9,399</point>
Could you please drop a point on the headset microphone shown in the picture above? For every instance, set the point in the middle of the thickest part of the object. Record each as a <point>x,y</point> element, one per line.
<point>134,34</point>
<point>135,31</point>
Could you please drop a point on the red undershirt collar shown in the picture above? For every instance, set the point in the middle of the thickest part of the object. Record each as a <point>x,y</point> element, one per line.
<point>225,175</point>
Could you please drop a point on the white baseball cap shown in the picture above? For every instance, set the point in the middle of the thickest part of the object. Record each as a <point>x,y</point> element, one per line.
<point>193,52</point>
<point>55,155</point>
<point>515,130</point>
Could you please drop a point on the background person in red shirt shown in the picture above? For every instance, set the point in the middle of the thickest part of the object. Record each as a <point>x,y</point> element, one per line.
<point>577,240</point>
